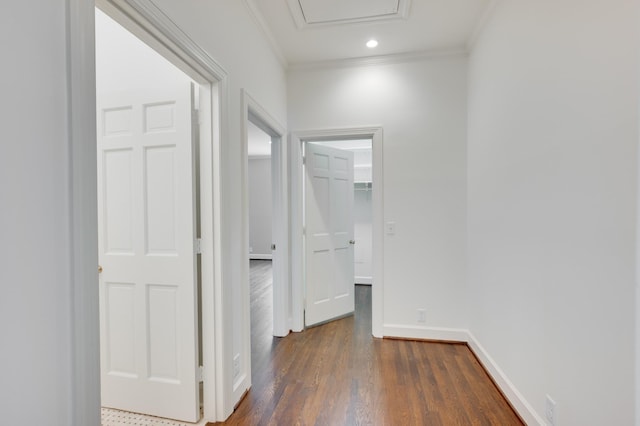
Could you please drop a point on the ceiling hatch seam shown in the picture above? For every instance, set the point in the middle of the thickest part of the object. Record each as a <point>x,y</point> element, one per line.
<point>304,19</point>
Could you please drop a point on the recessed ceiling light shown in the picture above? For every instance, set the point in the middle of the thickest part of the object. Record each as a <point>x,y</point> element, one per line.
<point>372,43</point>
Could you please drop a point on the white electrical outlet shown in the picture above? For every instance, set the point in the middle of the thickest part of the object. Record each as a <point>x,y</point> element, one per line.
<point>236,365</point>
<point>422,315</point>
<point>550,410</point>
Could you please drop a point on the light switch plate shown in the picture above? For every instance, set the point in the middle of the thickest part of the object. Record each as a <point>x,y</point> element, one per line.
<point>390,228</point>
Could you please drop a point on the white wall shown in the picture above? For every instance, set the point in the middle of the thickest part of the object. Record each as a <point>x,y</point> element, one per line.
<point>552,175</point>
<point>36,306</point>
<point>227,32</point>
<point>124,62</point>
<point>363,234</point>
<point>260,221</point>
<point>421,105</point>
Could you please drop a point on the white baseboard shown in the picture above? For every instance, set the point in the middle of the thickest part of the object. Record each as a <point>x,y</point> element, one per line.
<point>254,256</point>
<point>425,333</point>
<point>363,280</point>
<point>519,403</point>
<point>515,398</point>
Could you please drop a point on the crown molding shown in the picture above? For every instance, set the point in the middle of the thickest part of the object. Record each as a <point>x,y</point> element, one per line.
<point>395,58</point>
<point>144,18</point>
<point>482,23</point>
<point>259,19</point>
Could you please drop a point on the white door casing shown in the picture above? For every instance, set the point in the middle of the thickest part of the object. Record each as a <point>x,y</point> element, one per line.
<point>328,206</point>
<point>148,298</point>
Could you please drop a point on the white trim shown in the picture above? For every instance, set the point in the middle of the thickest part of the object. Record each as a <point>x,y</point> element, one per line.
<point>254,256</point>
<point>83,221</point>
<point>213,402</point>
<point>482,23</point>
<point>637,294</point>
<point>517,400</point>
<point>148,22</point>
<point>377,60</point>
<point>426,333</point>
<point>297,245</point>
<point>261,22</point>
<point>363,280</point>
<point>297,279</point>
<point>243,382</point>
<point>296,13</point>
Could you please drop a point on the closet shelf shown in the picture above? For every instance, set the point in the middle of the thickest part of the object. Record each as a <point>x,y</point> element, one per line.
<point>362,186</point>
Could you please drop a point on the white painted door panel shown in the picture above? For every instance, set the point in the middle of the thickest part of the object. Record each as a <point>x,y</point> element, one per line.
<point>329,267</point>
<point>148,299</point>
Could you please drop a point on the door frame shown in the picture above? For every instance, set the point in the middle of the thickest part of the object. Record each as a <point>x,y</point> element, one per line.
<point>297,138</point>
<point>253,112</point>
<point>150,24</point>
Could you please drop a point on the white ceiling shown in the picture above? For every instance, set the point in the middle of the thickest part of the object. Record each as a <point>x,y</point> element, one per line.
<point>324,30</point>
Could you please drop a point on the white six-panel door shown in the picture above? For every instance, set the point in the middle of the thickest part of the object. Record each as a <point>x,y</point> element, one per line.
<point>329,267</point>
<point>148,298</point>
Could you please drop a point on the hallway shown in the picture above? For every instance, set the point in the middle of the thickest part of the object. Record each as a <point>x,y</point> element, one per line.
<point>337,374</point>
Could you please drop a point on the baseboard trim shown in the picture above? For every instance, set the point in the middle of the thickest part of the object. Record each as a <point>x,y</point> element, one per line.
<point>364,280</point>
<point>425,333</point>
<point>515,398</point>
<point>254,256</point>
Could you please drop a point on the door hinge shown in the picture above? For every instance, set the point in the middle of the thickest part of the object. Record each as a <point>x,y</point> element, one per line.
<point>304,160</point>
<point>200,374</point>
<point>198,245</point>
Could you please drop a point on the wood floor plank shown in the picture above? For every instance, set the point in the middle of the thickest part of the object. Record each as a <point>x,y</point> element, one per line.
<point>338,374</point>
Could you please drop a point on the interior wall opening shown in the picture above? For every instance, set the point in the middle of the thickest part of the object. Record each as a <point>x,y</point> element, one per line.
<point>138,69</point>
<point>265,237</point>
<point>260,237</point>
<point>324,187</point>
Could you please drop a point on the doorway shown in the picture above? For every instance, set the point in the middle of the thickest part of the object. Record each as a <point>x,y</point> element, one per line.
<point>297,142</point>
<point>336,189</point>
<point>362,204</point>
<point>264,145</point>
<point>260,240</point>
<point>254,115</point>
<point>159,118</point>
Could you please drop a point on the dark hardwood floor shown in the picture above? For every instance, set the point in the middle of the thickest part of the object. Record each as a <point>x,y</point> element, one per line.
<point>337,374</point>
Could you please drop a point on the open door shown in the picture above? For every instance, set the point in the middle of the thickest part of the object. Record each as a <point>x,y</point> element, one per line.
<point>329,267</point>
<point>148,294</point>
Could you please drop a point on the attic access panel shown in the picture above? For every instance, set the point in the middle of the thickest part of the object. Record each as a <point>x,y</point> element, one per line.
<point>328,12</point>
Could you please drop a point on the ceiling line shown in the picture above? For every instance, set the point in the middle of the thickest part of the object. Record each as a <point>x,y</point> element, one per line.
<point>481,23</point>
<point>259,19</point>
<point>393,58</point>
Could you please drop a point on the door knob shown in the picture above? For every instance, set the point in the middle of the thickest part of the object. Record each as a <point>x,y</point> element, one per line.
<point>99,269</point>
<point>352,241</point>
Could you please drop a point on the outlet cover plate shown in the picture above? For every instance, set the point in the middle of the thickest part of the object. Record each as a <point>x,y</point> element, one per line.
<point>550,410</point>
